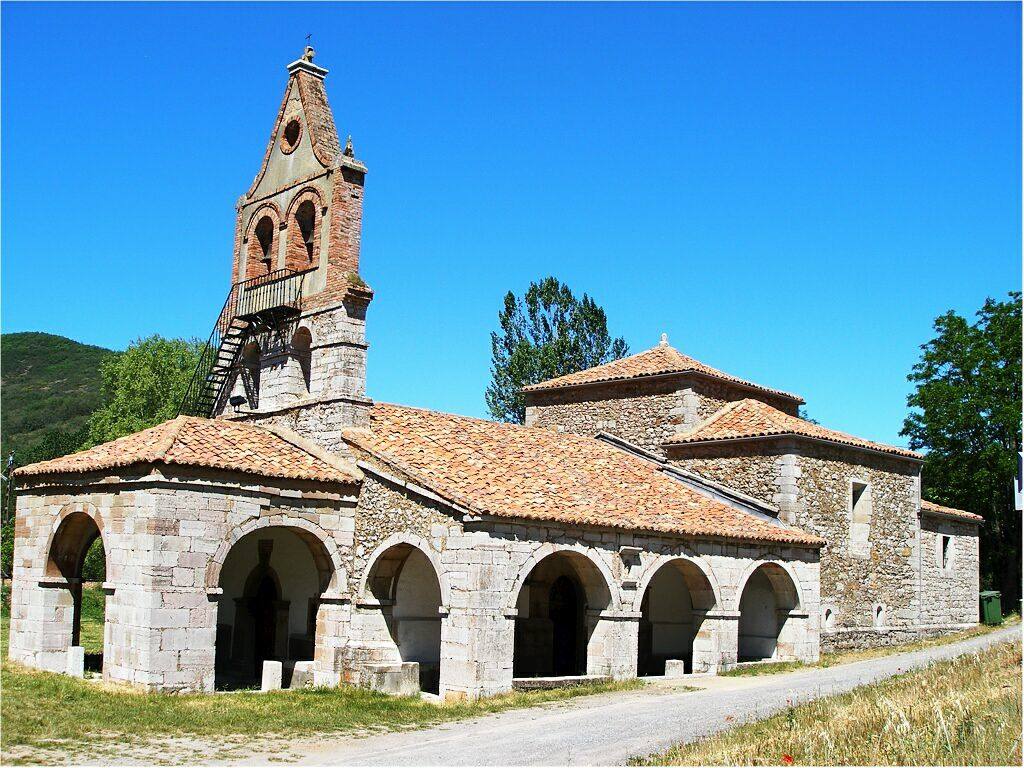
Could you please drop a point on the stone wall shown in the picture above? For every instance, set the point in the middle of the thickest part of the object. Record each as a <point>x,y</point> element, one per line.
<point>483,567</point>
<point>332,397</point>
<point>949,592</point>
<point>879,581</point>
<point>165,538</point>
<point>645,411</point>
<point>752,469</point>
<point>855,583</point>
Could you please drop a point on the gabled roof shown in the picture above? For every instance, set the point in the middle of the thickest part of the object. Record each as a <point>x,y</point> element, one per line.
<point>938,509</point>
<point>188,441</point>
<point>744,419</point>
<point>510,471</point>
<point>308,79</point>
<point>659,360</point>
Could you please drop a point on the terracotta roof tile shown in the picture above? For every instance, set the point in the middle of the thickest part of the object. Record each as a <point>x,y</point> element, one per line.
<point>752,418</point>
<point>528,473</point>
<point>931,506</point>
<point>658,360</point>
<point>212,443</point>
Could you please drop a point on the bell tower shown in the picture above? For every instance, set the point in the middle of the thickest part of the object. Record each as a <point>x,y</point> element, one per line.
<point>289,347</point>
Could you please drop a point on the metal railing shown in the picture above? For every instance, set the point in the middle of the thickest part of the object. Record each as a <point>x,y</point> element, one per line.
<point>247,300</point>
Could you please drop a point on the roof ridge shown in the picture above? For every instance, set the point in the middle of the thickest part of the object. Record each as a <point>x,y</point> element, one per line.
<point>727,408</point>
<point>163,446</point>
<point>308,446</point>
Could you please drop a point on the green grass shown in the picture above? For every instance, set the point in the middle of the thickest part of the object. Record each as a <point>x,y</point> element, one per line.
<point>54,713</point>
<point>43,710</point>
<point>961,712</point>
<point>93,600</point>
<point>846,657</point>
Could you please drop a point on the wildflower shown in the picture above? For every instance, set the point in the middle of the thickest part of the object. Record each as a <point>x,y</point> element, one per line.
<point>787,759</point>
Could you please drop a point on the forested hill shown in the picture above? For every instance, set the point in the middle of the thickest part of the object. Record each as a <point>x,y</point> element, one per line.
<point>48,382</point>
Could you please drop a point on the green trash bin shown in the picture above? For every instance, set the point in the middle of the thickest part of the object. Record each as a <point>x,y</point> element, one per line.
<point>991,609</point>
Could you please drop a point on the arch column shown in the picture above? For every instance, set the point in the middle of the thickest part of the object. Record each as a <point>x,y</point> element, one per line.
<point>613,646</point>
<point>716,644</point>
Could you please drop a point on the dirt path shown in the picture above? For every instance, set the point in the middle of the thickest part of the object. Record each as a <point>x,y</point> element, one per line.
<point>605,729</point>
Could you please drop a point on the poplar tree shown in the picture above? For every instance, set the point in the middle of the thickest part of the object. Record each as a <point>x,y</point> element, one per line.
<point>546,333</point>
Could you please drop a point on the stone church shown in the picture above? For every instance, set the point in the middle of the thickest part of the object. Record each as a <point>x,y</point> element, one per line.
<point>655,515</point>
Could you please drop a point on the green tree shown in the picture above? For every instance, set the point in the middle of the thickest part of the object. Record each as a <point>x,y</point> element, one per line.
<point>143,386</point>
<point>967,416</point>
<point>547,333</point>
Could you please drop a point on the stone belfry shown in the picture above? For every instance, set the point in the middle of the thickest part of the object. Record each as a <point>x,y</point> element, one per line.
<point>289,347</point>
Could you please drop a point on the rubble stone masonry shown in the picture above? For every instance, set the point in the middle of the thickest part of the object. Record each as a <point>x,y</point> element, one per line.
<point>645,412</point>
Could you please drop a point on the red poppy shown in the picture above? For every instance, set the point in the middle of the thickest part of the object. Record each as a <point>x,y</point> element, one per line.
<point>787,759</point>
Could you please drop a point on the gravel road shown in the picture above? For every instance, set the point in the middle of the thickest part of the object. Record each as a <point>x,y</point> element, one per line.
<point>609,729</point>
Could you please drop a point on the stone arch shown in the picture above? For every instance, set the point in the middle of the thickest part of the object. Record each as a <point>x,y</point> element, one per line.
<point>547,550</point>
<point>566,610</point>
<point>403,602</point>
<point>767,600</point>
<point>673,598</point>
<point>366,591</point>
<point>275,579</point>
<point>782,578</point>
<point>304,224</point>
<point>329,560</point>
<point>74,530</point>
<point>261,242</point>
<point>75,518</point>
<point>659,562</point>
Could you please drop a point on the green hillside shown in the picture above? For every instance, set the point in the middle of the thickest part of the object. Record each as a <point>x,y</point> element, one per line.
<point>48,382</point>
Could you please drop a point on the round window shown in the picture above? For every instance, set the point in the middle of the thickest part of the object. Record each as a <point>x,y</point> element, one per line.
<point>290,136</point>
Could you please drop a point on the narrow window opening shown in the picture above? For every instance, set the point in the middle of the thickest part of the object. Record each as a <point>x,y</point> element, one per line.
<point>860,519</point>
<point>946,552</point>
<point>305,216</point>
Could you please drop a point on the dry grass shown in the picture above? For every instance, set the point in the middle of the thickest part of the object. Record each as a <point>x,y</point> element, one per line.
<point>846,657</point>
<point>961,712</point>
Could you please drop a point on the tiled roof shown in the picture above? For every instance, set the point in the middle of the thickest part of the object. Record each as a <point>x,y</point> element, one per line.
<point>752,418</point>
<point>931,506</point>
<point>658,360</point>
<point>213,443</point>
<point>529,473</point>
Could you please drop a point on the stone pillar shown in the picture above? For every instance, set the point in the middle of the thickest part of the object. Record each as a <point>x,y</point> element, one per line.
<point>798,640</point>
<point>333,622</point>
<point>705,643</point>
<point>477,645</point>
<point>42,610</point>
<point>613,643</point>
<point>722,640</point>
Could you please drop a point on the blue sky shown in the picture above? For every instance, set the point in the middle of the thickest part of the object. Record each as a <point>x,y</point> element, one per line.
<point>791,192</point>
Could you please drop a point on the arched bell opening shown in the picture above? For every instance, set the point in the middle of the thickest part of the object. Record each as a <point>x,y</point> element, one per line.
<point>557,612</point>
<point>272,580</point>
<point>672,612</point>
<point>768,597</point>
<point>260,255</point>
<point>77,557</point>
<point>406,591</point>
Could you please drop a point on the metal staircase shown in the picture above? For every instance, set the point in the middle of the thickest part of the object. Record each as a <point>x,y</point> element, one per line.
<point>253,306</point>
